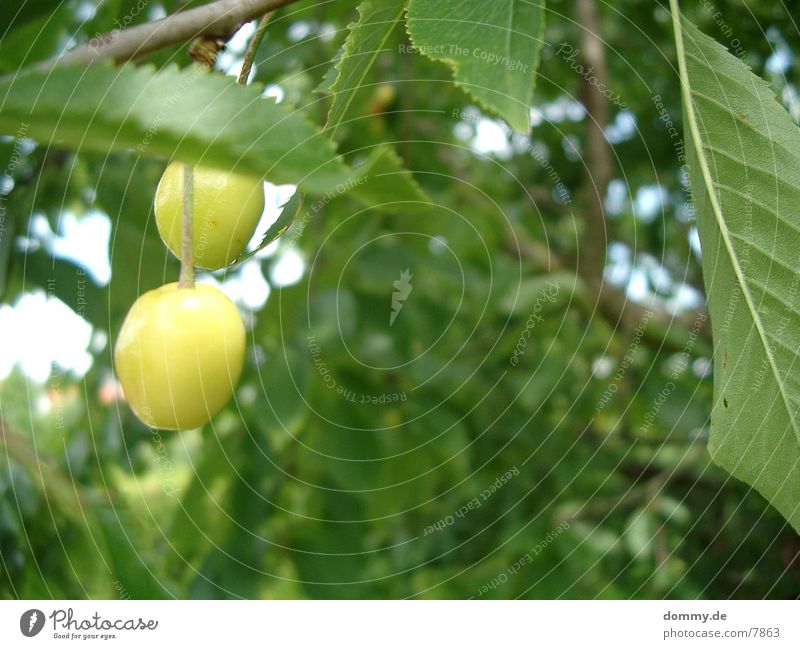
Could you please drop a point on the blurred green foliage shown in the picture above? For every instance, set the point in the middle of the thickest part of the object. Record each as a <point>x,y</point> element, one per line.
<point>307,486</point>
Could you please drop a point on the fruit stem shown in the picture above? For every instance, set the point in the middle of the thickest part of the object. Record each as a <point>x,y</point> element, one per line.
<point>186,279</point>
<point>250,54</point>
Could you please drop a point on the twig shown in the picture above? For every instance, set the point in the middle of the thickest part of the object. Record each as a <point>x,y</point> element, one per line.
<point>220,19</point>
<point>250,54</point>
<point>187,253</point>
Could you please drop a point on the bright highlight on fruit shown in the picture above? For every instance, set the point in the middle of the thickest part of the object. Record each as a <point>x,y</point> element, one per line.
<point>179,355</point>
<point>226,208</point>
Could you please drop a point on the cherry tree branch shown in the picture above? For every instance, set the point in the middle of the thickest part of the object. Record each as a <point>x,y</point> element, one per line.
<point>600,169</point>
<point>664,329</point>
<point>218,19</point>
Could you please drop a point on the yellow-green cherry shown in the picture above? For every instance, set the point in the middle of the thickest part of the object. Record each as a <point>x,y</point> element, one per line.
<point>226,208</point>
<point>179,355</point>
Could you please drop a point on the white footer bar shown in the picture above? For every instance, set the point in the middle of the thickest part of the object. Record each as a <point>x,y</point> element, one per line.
<point>390,624</point>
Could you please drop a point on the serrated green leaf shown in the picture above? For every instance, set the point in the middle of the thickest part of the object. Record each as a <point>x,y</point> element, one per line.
<point>366,40</point>
<point>493,48</point>
<point>744,160</point>
<point>185,114</point>
<point>289,212</point>
<point>382,182</point>
<point>325,87</point>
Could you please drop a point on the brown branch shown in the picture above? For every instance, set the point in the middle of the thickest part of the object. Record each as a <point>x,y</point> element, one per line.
<point>663,329</point>
<point>218,19</point>
<point>592,244</point>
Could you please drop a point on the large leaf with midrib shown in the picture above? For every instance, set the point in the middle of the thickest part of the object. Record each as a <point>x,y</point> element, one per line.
<point>743,152</point>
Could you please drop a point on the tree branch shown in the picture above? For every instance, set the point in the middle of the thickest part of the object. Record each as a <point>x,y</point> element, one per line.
<point>592,244</point>
<point>218,19</point>
<point>663,329</point>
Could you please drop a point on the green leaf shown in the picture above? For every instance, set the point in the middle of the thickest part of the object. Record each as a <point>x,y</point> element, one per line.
<point>288,214</point>
<point>366,40</point>
<point>743,152</point>
<point>325,87</point>
<point>186,114</point>
<point>382,182</point>
<point>493,48</point>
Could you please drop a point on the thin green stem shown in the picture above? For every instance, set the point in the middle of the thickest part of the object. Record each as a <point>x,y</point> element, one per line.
<point>250,54</point>
<point>187,252</point>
